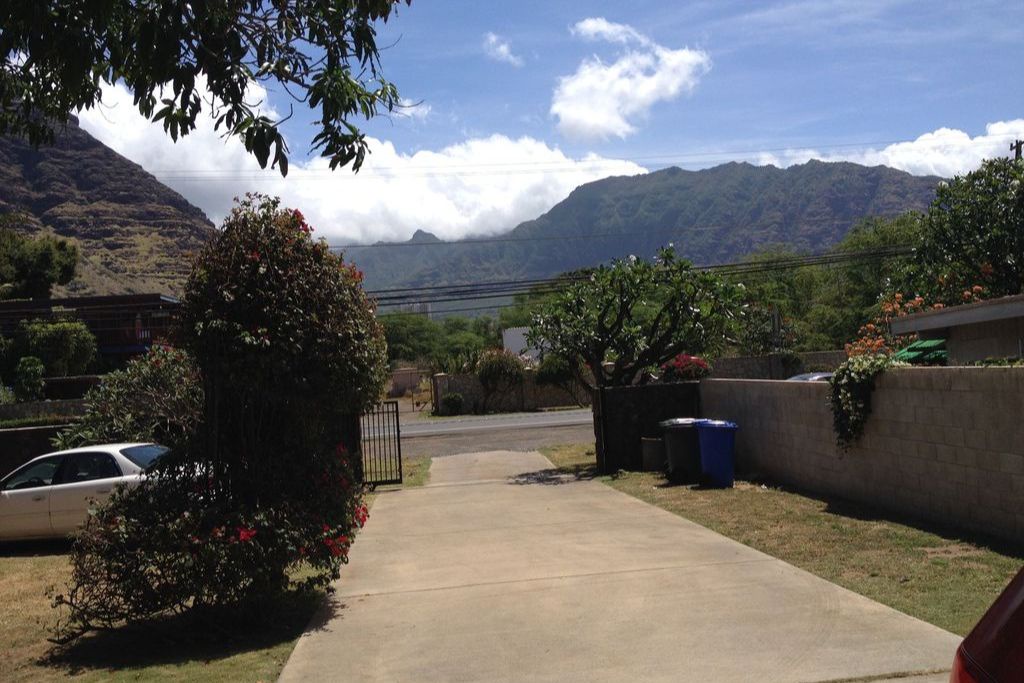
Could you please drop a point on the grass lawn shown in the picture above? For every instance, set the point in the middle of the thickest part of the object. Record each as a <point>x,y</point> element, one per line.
<point>175,649</point>
<point>944,577</point>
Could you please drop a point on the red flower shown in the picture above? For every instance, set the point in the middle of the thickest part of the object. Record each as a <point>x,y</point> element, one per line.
<point>245,533</point>
<point>361,515</point>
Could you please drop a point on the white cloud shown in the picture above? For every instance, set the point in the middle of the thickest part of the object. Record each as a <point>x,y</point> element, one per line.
<point>943,152</point>
<point>499,49</point>
<point>599,28</point>
<point>602,100</point>
<point>411,109</point>
<point>481,186</point>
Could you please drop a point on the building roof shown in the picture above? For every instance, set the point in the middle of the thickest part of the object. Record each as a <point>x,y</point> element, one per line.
<point>1002,308</point>
<point>113,301</point>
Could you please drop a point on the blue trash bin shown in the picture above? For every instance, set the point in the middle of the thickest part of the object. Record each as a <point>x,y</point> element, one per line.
<point>717,444</point>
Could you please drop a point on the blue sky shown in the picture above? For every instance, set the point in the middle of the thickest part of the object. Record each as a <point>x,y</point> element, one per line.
<point>520,102</point>
<point>791,74</point>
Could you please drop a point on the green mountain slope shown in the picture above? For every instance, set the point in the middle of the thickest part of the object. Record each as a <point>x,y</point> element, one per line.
<point>713,215</point>
<point>134,233</point>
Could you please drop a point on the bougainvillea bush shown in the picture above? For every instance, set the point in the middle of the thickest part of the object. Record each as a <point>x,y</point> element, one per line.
<point>683,368</point>
<point>288,352</point>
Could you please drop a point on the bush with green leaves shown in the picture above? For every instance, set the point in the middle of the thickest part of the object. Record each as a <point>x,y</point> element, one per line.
<point>157,397</point>
<point>452,404</point>
<point>66,347</point>
<point>558,371</point>
<point>498,370</point>
<point>28,379</point>
<point>637,314</point>
<point>851,387</point>
<point>289,353</point>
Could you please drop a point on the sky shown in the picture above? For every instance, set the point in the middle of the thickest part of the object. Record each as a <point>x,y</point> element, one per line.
<point>512,105</point>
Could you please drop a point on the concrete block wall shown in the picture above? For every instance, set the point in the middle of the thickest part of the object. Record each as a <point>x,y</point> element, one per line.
<point>776,365</point>
<point>524,397</point>
<point>941,444</point>
<point>993,339</point>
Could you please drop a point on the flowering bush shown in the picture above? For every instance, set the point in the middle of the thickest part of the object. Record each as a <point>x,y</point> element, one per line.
<point>288,353</point>
<point>683,368</point>
<point>851,387</point>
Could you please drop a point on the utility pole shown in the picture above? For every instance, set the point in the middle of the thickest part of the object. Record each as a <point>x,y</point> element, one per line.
<point>1016,147</point>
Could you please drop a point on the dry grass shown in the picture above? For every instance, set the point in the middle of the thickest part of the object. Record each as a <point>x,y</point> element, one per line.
<point>238,649</point>
<point>943,577</point>
<point>234,648</point>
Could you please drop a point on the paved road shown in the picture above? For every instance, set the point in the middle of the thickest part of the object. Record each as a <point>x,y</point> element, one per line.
<point>484,423</point>
<point>503,570</point>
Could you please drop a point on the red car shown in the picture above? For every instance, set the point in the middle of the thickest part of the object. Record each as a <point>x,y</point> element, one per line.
<point>993,652</point>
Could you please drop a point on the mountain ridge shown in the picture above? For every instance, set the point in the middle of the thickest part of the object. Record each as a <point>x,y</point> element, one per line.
<point>712,215</point>
<point>134,233</point>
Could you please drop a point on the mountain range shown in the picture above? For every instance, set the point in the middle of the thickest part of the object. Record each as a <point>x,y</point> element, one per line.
<point>714,215</point>
<point>134,233</point>
<point>137,235</point>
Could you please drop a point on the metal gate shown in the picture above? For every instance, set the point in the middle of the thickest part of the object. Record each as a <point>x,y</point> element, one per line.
<point>382,445</point>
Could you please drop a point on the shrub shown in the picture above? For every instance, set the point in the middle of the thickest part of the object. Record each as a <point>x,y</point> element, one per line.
<point>850,398</point>
<point>558,371</point>
<point>66,347</point>
<point>157,397</point>
<point>288,352</point>
<point>684,368</point>
<point>554,370</point>
<point>28,379</point>
<point>451,404</point>
<point>498,371</point>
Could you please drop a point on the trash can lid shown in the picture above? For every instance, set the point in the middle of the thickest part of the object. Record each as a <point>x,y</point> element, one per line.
<point>680,422</point>
<point>718,424</point>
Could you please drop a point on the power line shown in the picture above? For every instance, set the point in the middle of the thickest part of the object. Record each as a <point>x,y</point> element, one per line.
<point>485,291</point>
<point>527,166</point>
<point>678,231</point>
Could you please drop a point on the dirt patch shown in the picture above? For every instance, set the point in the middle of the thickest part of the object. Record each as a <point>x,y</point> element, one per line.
<point>952,550</point>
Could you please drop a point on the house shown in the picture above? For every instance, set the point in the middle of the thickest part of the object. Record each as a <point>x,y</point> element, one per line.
<point>514,339</point>
<point>972,332</point>
<point>123,324</point>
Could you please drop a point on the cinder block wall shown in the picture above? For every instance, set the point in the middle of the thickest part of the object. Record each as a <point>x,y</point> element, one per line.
<point>776,365</point>
<point>526,396</point>
<point>993,339</point>
<point>941,444</point>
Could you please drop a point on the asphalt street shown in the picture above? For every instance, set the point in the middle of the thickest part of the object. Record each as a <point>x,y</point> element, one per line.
<point>430,437</point>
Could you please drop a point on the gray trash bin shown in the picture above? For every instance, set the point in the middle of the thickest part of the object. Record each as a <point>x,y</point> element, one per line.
<point>682,449</point>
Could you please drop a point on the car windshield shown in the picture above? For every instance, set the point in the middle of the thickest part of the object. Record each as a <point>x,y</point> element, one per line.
<point>144,456</point>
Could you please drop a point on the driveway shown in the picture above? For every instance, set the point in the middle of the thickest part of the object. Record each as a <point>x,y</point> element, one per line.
<point>501,570</point>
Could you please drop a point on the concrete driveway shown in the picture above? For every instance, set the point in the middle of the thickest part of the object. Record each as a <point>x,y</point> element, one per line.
<point>501,570</point>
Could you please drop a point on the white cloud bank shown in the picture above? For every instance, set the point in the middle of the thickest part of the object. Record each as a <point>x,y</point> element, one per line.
<point>481,186</point>
<point>943,152</point>
<point>499,49</point>
<point>602,100</point>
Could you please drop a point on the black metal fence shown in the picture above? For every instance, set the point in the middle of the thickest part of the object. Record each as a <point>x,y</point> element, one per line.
<point>382,445</point>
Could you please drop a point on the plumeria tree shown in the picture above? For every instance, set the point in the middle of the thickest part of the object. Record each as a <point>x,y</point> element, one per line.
<point>625,320</point>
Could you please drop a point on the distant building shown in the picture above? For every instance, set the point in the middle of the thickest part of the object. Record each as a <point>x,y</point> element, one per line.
<point>986,329</point>
<point>514,339</point>
<point>124,324</point>
<point>417,309</point>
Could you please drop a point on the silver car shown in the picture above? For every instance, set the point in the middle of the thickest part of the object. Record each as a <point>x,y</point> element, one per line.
<point>50,496</point>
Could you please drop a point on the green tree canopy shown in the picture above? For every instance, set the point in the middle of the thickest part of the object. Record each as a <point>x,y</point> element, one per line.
<point>30,267</point>
<point>973,234</point>
<point>636,315</point>
<point>172,55</point>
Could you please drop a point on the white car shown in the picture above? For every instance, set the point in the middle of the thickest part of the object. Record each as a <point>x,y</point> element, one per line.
<point>50,496</point>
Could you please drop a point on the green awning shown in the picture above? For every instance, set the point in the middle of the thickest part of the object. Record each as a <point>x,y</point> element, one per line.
<point>924,352</point>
